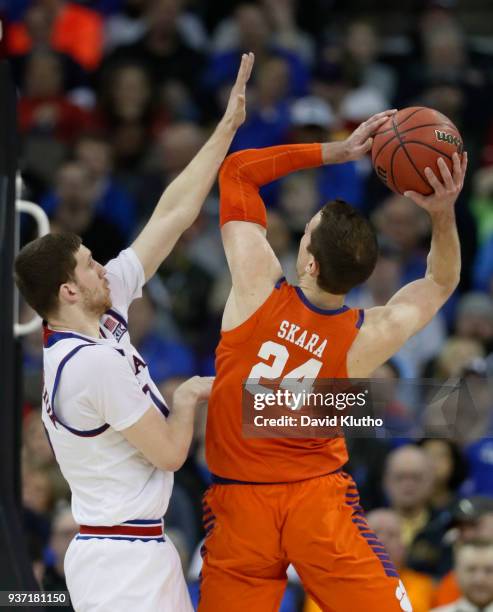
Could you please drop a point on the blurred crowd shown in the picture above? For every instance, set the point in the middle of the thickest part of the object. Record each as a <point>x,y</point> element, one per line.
<point>114,99</point>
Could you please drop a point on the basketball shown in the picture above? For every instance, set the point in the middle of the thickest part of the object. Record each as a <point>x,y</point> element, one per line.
<point>408,142</point>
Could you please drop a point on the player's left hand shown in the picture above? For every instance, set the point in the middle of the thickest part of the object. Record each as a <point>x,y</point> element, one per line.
<point>235,112</point>
<point>356,144</point>
<point>195,389</point>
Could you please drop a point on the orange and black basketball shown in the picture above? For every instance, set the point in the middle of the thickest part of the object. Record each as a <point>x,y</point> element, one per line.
<point>408,142</point>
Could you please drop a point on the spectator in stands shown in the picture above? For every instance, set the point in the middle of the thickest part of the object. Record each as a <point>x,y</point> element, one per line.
<point>408,481</point>
<point>455,355</point>
<point>474,319</point>
<point>175,146</point>
<point>387,527</point>
<point>474,569</point>
<point>76,212</point>
<point>268,119</point>
<point>408,485</point>
<point>164,357</point>
<point>312,120</point>
<point>127,114</point>
<point>163,49</point>
<point>44,109</point>
<point>74,29</point>
<point>38,24</point>
<point>377,291</point>
<point>254,33</point>
<point>403,223</point>
<point>361,47</point>
<point>112,202</point>
<point>449,470</point>
<point>472,519</point>
<point>285,31</point>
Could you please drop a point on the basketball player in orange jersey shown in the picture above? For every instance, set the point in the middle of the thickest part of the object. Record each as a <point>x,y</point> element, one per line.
<point>279,501</point>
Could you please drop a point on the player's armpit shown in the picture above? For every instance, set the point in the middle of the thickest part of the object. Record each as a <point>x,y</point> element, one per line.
<point>152,436</point>
<point>254,270</point>
<point>387,328</point>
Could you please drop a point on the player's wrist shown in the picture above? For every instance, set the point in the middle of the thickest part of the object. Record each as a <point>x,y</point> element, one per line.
<point>226,126</point>
<point>334,152</point>
<point>443,215</point>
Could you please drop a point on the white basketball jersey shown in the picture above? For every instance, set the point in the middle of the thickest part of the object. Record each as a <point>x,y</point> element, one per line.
<point>93,388</point>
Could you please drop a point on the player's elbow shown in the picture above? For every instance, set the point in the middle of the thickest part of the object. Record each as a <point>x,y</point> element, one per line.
<point>445,287</point>
<point>173,459</point>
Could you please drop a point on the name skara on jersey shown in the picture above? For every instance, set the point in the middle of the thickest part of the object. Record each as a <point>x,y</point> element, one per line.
<point>287,337</point>
<point>94,388</point>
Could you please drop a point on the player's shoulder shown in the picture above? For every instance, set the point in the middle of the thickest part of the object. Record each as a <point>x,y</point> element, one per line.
<point>96,358</point>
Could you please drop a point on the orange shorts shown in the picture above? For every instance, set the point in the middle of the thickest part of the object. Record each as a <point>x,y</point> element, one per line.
<point>253,532</point>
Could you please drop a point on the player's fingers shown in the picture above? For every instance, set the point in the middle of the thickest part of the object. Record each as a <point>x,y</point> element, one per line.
<point>384,114</point>
<point>242,70</point>
<point>447,179</point>
<point>368,128</point>
<point>433,180</point>
<point>251,61</point>
<point>464,164</point>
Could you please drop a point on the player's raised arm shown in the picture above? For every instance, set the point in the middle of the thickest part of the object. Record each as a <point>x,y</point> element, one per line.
<point>253,265</point>
<point>388,327</point>
<point>182,200</point>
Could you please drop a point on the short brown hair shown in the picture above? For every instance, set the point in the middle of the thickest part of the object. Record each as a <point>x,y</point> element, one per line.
<point>345,247</point>
<point>42,266</point>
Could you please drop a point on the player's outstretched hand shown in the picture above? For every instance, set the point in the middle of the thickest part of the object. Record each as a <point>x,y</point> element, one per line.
<point>446,190</point>
<point>358,143</point>
<point>195,389</point>
<point>235,112</point>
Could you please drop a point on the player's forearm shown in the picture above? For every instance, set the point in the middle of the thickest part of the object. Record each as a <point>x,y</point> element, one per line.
<point>444,262</point>
<point>258,167</point>
<point>180,426</point>
<point>187,192</point>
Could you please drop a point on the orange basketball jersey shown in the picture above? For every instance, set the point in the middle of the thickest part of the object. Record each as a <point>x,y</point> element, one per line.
<point>286,332</point>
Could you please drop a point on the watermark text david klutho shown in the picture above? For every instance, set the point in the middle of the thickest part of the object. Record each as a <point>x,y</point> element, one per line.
<point>307,421</point>
<point>296,400</point>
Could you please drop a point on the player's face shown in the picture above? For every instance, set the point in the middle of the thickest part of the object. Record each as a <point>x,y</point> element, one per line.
<point>91,280</point>
<point>304,256</point>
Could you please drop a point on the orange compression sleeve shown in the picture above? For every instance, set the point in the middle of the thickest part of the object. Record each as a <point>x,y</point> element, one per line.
<point>243,173</point>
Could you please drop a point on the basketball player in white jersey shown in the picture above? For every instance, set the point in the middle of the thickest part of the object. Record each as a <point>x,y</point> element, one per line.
<point>116,441</point>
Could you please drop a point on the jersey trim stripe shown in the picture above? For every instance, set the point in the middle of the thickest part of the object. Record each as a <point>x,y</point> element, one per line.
<point>78,432</point>
<point>322,311</point>
<point>361,318</point>
<point>228,481</point>
<point>137,529</point>
<point>105,537</point>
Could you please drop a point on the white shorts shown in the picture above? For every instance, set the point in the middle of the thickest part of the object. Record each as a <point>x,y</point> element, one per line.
<point>105,575</point>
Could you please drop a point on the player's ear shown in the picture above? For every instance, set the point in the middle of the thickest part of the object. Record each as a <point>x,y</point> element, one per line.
<point>312,267</point>
<point>68,293</point>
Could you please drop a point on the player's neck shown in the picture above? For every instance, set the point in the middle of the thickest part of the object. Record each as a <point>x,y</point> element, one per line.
<point>78,322</point>
<point>318,297</point>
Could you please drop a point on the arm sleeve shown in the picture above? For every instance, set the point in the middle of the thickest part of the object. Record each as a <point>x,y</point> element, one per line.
<point>126,277</point>
<point>243,173</point>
